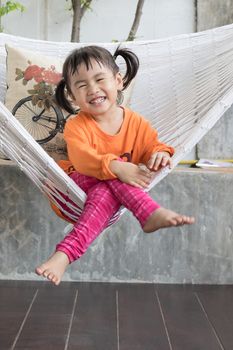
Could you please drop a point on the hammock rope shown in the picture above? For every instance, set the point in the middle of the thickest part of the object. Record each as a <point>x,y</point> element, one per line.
<point>184,86</point>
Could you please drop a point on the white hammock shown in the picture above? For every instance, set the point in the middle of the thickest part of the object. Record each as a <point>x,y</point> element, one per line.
<point>184,85</point>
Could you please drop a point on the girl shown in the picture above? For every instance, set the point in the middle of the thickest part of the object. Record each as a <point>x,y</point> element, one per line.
<point>105,144</point>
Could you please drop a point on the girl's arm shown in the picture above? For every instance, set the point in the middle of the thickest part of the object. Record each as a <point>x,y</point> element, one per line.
<point>153,150</point>
<point>131,173</point>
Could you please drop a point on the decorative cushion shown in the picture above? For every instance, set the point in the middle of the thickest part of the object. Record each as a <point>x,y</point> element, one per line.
<point>35,75</point>
<point>31,74</point>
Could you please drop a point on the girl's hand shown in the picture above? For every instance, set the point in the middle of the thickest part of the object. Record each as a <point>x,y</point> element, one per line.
<point>159,160</point>
<point>131,173</point>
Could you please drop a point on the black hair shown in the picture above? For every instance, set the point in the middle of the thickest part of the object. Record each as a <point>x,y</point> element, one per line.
<point>84,55</point>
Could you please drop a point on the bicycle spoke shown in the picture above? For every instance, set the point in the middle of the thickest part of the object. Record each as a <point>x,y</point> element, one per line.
<point>49,119</point>
<point>45,126</point>
<point>28,107</point>
<point>40,129</point>
<point>42,116</point>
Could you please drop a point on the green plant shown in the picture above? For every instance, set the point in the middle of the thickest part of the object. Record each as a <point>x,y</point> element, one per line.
<point>7,7</point>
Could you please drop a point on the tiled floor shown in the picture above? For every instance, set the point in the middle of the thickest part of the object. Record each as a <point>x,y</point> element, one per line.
<point>100,316</point>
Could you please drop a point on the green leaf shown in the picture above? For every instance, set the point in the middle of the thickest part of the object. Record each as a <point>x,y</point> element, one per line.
<point>32,92</point>
<point>41,92</point>
<point>18,71</point>
<point>10,6</point>
<point>41,96</point>
<point>36,88</point>
<point>47,104</point>
<point>40,104</point>
<point>86,3</point>
<point>51,90</point>
<point>35,99</point>
<point>18,78</point>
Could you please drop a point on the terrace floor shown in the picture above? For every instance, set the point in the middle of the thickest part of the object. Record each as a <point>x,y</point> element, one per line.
<point>101,316</point>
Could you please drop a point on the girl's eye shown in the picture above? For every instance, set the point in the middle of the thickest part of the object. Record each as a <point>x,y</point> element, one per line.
<point>100,79</point>
<point>81,86</point>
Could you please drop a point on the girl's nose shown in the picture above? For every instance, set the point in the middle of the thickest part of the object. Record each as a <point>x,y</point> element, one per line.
<point>93,88</point>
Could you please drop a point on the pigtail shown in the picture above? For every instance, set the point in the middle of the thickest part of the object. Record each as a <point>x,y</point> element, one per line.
<point>132,64</point>
<point>61,97</point>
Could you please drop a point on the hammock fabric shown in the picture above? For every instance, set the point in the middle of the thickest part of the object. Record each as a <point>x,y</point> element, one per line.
<point>184,85</point>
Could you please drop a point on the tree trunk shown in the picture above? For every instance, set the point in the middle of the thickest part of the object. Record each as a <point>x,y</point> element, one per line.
<point>137,17</point>
<point>79,8</point>
<point>75,35</point>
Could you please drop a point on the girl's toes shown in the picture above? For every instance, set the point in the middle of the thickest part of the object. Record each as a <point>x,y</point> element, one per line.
<point>39,271</point>
<point>179,220</point>
<point>54,279</point>
<point>46,273</point>
<point>175,222</point>
<point>190,220</point>
<point>50,276</point>
<point>57,282</point>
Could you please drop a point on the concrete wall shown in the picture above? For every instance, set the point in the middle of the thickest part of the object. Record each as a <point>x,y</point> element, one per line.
<point>201,253</point>
<point>218,143</point>
<point>214,13</point>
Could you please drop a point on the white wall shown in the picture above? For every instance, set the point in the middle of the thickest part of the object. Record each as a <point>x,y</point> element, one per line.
<point>108,20</point>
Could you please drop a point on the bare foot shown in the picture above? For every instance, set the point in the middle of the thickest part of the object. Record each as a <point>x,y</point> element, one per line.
<point>54,268</point>
<point>163,217</point>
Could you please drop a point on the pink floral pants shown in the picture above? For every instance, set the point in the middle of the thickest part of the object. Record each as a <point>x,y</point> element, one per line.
<point>104,198</point>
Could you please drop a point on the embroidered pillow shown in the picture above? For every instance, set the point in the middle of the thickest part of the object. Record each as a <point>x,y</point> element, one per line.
<point>31,80</point>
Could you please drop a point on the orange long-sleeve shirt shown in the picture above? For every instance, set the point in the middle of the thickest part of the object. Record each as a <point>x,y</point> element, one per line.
<point>90,149</point>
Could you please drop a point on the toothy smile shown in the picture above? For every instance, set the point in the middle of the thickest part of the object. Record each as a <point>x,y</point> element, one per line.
<point>97,100</point>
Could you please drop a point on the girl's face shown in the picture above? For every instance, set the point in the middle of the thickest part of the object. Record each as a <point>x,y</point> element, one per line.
<point>95,90</point>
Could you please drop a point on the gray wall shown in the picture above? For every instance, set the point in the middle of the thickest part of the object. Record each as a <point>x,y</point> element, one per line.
<point>201,253</point>
<point>214,13</point>
<point>218,143</point>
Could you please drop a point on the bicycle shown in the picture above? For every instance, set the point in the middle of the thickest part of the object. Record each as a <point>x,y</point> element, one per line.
<point>42,123</point>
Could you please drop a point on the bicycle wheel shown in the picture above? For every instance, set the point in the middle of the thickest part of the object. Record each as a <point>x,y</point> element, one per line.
<point>41,123</point>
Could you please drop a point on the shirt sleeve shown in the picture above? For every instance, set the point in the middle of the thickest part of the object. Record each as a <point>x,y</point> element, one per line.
<point>151,143</point>
<point>84,157</point>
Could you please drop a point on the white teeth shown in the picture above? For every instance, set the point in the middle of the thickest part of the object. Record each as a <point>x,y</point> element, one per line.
<point>97,100</point>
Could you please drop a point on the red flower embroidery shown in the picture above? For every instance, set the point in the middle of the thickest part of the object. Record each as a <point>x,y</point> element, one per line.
<point>33,72</point>
<point>45,78</point>
<point>51,76</point>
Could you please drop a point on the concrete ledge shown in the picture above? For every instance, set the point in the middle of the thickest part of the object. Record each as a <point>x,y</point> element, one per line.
<point>202,253</point>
